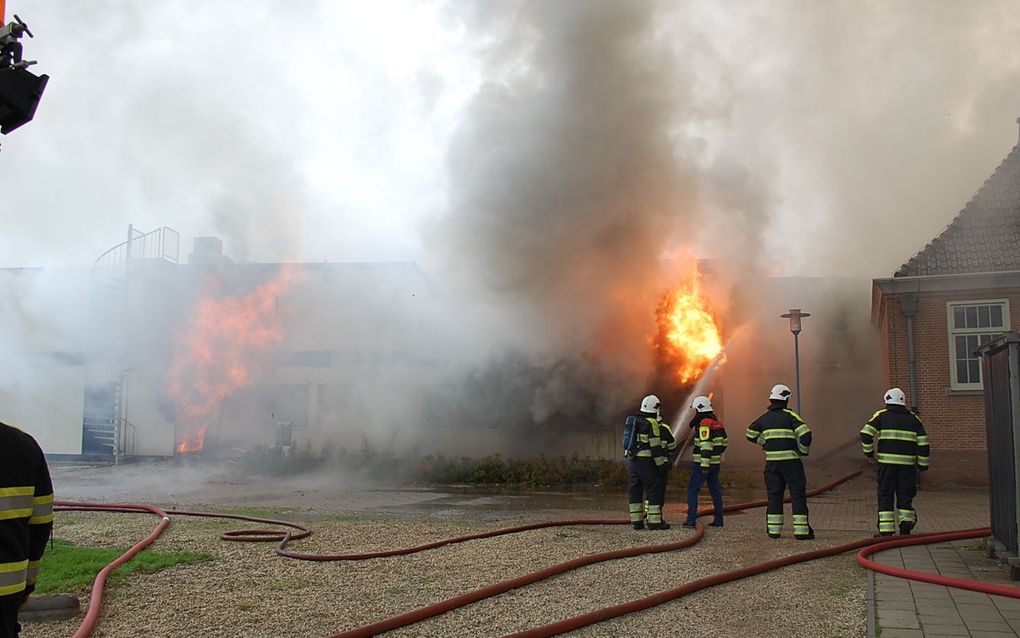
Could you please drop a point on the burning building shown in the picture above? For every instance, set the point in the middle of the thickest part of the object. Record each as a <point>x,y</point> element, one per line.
<point>147,356</point>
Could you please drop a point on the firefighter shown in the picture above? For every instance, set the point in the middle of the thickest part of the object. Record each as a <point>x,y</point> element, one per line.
<point>672,451</point>
<point>26,519</point>
<point>902,450</point>
<point>709,444</point>
<point>647,472</point>
<point>785,438</point>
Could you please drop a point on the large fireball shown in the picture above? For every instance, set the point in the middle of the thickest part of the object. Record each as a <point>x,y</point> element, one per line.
<point>688,338</point>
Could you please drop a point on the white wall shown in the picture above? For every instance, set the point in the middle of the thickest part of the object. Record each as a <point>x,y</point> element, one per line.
<point>48,406</point>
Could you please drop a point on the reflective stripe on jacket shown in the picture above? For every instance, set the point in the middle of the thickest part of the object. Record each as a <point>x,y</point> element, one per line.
<point>896,436</point>
<point>26,510</point>
<point>710,441</point>
<point>654,440</point>
<point>782,434</point>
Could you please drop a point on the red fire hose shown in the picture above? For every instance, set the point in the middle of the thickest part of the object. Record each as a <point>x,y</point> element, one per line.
<point>948,581</point>
<point>92,615</point>
<point>870,545</point>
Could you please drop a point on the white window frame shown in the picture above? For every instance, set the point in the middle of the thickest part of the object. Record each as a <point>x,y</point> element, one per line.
<point>953,332</point>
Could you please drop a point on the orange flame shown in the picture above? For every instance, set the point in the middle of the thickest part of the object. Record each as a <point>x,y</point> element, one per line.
<point>688,336</point>
<point>219,353</point>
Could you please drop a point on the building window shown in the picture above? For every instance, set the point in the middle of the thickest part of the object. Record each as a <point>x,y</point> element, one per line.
<point>972,323</point>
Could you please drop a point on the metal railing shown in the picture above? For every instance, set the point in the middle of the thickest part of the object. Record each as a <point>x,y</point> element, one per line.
<point>123,439</point>
<point>162,244</point>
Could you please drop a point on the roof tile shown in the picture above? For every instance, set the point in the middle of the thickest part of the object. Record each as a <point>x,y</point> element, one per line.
<point>984,236</point>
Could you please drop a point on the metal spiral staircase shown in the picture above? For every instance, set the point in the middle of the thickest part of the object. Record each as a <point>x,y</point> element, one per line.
<point>106,432</point>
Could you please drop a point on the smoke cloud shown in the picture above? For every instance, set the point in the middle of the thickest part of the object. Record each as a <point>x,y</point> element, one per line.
<point>552,166</point>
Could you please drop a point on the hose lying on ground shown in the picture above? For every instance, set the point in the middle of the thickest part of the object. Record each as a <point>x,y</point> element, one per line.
<point>937,579</point>
<point>284,537</point>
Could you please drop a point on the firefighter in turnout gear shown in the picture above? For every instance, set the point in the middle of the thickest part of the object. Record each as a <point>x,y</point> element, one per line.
<point>672,451</point>
<point>26,519</point>
<point>648,471</point>
<point>709,444</point>
<point>785,438</point>
<point>897,437</point>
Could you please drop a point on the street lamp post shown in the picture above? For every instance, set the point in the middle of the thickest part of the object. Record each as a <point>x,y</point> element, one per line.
<point>795,315</point>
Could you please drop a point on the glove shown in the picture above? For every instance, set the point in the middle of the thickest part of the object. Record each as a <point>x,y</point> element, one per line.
<point>870,455</point>
<point>922,468</point>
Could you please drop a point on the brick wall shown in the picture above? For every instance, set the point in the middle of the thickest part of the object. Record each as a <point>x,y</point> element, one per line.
<point>955,420</point>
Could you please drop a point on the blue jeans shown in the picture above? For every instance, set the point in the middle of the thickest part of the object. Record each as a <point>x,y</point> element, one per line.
<point>698,477</point>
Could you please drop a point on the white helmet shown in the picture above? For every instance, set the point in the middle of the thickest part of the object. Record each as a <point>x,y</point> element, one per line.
<point>701,404</point>
<point>780,392</point>
<point>650,404</point>
<point>895,396</point>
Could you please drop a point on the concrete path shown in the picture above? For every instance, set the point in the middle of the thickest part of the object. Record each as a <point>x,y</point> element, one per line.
<point>900,608</point>
<point>909,609</point>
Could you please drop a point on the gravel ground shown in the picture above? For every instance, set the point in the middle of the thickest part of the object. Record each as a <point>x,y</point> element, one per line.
<point>250,592</point>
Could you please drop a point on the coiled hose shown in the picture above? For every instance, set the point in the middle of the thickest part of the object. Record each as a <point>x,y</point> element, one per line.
<point>284,537</point>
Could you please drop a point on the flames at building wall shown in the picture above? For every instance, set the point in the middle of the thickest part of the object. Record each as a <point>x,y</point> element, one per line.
<point>688,337</point>
<point>222,349</point>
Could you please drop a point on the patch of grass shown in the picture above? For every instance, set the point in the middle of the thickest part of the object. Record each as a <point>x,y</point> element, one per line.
<point>68,567</point>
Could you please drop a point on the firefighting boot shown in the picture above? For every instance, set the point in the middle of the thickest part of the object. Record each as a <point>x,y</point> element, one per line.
<point>905,528</point>
<point>775,536</point>
<point>881,534</point>
<point>658,525</point>
<point>810,536</point>
<point>639,525</point>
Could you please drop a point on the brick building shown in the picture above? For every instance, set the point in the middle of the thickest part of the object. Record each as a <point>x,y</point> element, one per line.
<point>959,291</point>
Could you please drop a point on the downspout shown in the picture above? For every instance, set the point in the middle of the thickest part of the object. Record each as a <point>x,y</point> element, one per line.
<point>908,303</point>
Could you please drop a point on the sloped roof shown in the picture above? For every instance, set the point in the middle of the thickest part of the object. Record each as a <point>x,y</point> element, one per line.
<point>984,236</point>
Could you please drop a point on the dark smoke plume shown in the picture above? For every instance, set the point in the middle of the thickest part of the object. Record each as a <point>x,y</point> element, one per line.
<point>570,181</point>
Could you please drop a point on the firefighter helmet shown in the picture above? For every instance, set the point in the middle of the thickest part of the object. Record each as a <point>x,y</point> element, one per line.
<point>701,404</point>
<point>895,396</point>
<point>780,393</point>
<point>650,404</point>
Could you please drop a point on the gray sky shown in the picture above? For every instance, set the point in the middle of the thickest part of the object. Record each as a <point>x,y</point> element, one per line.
<point>818,138</point>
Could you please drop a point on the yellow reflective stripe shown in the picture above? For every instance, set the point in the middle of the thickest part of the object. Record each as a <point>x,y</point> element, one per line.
<point>33,571</point>
<point>781,455</point>
<point>922,440</point>
<point>791,412</point>
<point>6,515</point>
<point>17,491</point>
<point>42,510</point>
<point>7,590</point>
<point>898,435</point>
<point>643,438</point>
<point>647,453</point>
<point>897,459</point>
<point>869,429</point>
<point>779,433</point>
<point>19,566</point>
<point>655,441</point>
<point>802,430</point>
